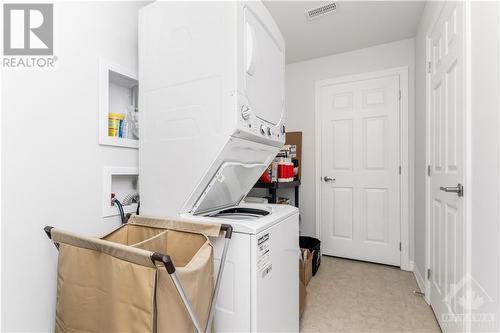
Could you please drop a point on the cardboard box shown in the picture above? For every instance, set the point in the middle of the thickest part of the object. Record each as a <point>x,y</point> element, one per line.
<point>302,288</point>
<point>305,274</point>
<point>302,298</point>
<point>306,266</point>
<point>295,138</point>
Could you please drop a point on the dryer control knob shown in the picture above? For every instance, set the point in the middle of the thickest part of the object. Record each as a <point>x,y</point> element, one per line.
<point>245,112</point>
<point>262,129</point>
<point>269,132</point>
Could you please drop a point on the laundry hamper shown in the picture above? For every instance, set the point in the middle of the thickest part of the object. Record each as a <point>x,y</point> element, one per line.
<point>149,275</point>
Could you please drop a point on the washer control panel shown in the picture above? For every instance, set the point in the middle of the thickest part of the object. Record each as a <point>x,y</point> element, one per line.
<point>259,127</point>
<point>245,112</point>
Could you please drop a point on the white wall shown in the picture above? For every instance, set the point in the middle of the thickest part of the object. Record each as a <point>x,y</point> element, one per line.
<point>52,163</point>
<point>485,150</point>
<point>300,95</point>
<point>429,15</point>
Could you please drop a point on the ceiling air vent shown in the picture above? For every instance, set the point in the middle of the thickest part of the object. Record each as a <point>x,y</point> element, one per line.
<point>317,12</point>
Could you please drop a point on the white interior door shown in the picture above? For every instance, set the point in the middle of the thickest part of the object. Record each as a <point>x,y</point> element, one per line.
<point>360,214</point>
<point>446,162</point>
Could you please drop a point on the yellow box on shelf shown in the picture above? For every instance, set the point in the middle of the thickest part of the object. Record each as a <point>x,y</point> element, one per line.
<point>114,120</point>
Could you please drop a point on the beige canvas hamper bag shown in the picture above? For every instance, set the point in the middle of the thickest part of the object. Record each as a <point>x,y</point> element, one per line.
<point>149,275</point>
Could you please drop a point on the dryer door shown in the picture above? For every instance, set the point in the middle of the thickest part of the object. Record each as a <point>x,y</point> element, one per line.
<point>229,186</point>
<point>264,67</point>
<point>230,177</point>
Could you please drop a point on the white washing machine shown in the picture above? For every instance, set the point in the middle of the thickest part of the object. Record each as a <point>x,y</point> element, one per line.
<point>260,285</point>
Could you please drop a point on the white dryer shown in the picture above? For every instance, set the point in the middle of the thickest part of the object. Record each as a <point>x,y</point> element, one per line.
<point>211,98</point>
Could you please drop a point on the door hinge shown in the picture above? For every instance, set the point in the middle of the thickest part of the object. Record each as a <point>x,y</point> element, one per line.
<point>399,169</point>
<point>429,67</point>
<point>400,246</point>
<point>428,273</point>
<point>429,170</point>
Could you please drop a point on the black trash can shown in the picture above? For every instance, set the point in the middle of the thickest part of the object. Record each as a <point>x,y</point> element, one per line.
<point>312,244</point>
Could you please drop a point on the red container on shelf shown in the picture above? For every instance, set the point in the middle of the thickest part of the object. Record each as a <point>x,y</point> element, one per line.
<point>285,171</point>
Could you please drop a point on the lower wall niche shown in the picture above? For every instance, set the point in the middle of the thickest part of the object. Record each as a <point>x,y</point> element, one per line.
<point>124,183</point>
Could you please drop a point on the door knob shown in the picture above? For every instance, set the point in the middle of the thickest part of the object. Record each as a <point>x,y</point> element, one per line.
<point>328,179</point>
<point>459,189</point>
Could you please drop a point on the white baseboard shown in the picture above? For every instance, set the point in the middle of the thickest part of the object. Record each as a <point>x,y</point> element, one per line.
<point>408,267</point>
<point>420,279</point>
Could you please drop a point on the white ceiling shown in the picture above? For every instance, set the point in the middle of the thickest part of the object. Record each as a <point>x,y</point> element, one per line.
<point>353,25</point>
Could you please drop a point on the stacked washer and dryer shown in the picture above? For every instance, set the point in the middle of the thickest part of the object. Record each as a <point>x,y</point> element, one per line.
<point>212,119</point>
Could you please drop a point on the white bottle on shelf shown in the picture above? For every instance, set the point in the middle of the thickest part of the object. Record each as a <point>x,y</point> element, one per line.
<point>131,125</point>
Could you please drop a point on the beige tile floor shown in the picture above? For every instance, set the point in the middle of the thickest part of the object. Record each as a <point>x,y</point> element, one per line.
<point>353,296</point>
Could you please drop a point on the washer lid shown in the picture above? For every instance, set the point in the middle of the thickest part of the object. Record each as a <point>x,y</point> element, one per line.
<point>277,214</point>
<point>228,186</point>
<point>241,213</point>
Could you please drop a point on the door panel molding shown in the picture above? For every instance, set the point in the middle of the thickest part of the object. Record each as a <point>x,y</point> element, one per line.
<point>372,98</point>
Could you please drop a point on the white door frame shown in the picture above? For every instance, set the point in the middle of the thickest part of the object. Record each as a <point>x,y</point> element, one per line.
<point>428,57</point>
<point>405,159</point>
<point>427,292</point>
<point>467,146</point>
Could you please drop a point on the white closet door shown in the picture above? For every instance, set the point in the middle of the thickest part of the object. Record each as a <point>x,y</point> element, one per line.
<point>447,154</point>
<point>360,170</point>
